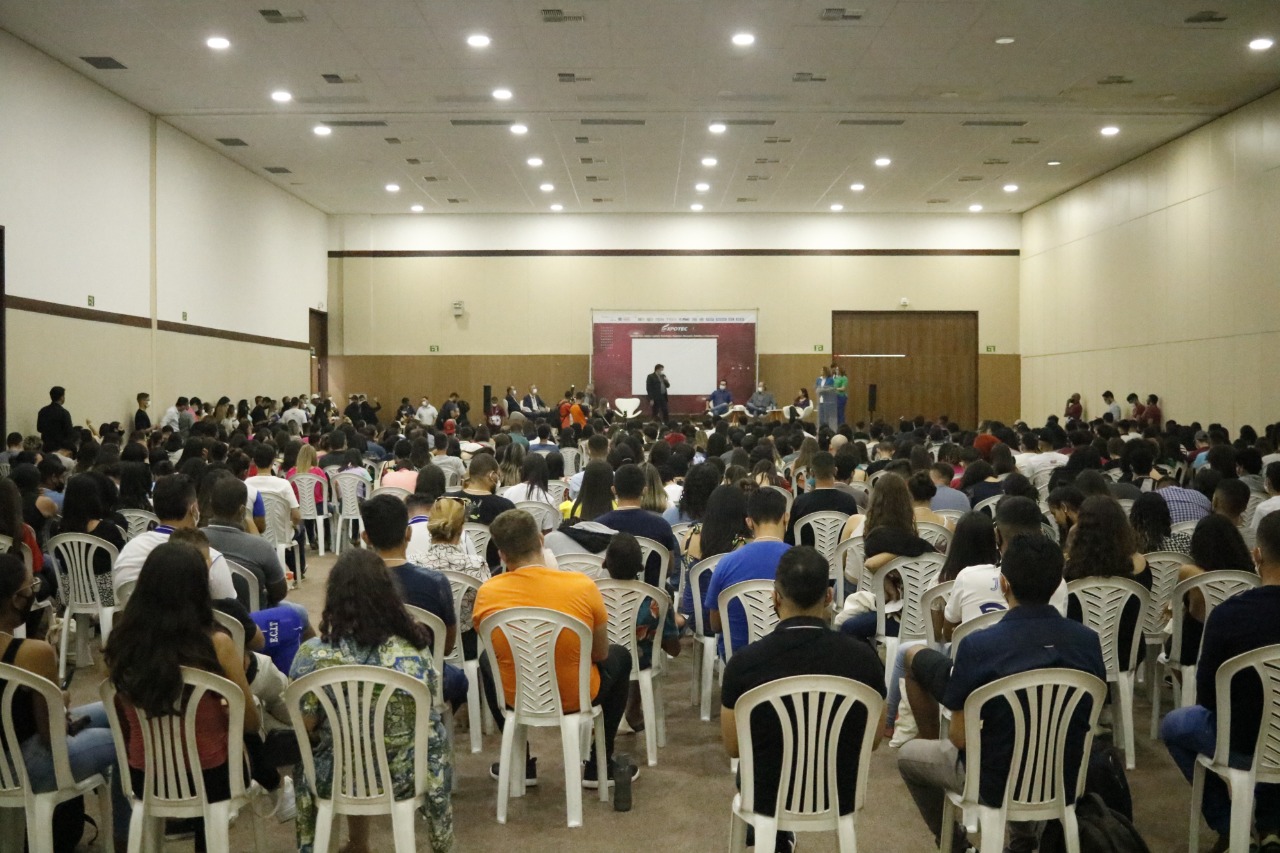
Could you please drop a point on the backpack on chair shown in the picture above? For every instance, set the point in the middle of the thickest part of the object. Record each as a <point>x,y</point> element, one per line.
<point>1102,830</point>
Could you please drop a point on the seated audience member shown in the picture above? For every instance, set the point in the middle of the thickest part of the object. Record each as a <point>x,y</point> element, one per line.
<point>756,560</point>
<point>386,531</point>
<point>532,406</point>
<point>822,497</point>
<point>533,481</point>
<point>597,451</point>
<point>175,505</point>
<point>445,552</point>
<point>226,532</point>
<point>720,400</point>
<point>923,491</point>
<point>86,510</point>
<point>761,402</point>
<point>630,516</point>
<point>1184,504</point>
<point>308,463</point>
<point>403,475</point>
<point>1064,505</point>
<point>478,490</point>
<point>980,482</point>
<point>946,497</point>
<point>699,482</point>
<point>1272,503</point>
<point>1242,623</point>
<point>264,457</point>
<point>1033,635</point>
<point>1152,527</point>
<point>595,494</point>
<point>529,583</point>
<point>1216,545</point>
<point>337,455</point>
<point>365,622</point>
<point>802,644</point>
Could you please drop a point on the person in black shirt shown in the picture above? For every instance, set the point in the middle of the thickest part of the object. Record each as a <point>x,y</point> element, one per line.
<point>1242,623</point>
<point>369,411</point>
<point>823,497</point>
<point>53,422</point>
<point>141,420</point>
<point>352,411</point>
<point>483,506</point>
<point>655,387</point>
<point>802,644</point>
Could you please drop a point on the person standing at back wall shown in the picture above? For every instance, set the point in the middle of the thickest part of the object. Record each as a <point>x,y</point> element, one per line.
<point>656,386</point>
<point>841,382</point>
<point>826,387</point>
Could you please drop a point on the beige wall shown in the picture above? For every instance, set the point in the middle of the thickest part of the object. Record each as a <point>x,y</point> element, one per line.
<point>1162,277</point>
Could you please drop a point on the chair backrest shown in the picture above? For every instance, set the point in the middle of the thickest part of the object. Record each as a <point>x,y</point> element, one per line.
<point>862,492</point>
<point>348,488</point>
<point>696,585</point>
<point>1102,605</point>
<point>531,634</point>
<point>1187,527</point>
<point>934,598</point>
<point>849,558</point>
<point>678,529</point>
<point>756,600</point>
<point>305,485</point>
<point>279,519</point>
<point>812,711</point>
<point>138,521</point>
<point>1265,663</point>
<point>1126,504</point>
<point>1040,480</point>
<point>1216,587</point>
<point>460,583</point>
<point>332,471</point>
<point>452,479</point>
<point>790,498</point>
<point>875,478</point>
<point>354,701</point>
<point>14,778</point>
<point>1050,531</point>
<point>251,581</point>
<point>1165,566</point>
<point>6,545</point>
<point>972,626</point>
<point>988,506</point>
<point>479,536</point>
<point>950,514</point>
<point>73,555</point>
<point>557,490</point>
<point>233,627</point>
<point>935,534</point>
<point>124,592</point>
<point>171,758</point>
<point>1043,702</point>
<point>439,634</point>
<point>649,546</point>
<point>547,516</point>
<point>591,565</point>
<point>395,491</point>
<point>918,574</point>
<point>622,601</point>
<point>572,460</point>
<point>826,527</point>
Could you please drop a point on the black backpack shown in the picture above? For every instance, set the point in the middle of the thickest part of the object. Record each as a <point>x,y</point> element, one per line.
<point>1105,777</point>
<point>1102,830</point>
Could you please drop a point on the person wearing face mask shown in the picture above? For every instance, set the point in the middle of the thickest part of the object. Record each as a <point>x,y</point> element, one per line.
<point>512,400</point>
<point>656,387</point>
<point>761,401</point>
<point>532,405</point>
<point>721,400</point>
<point>482,505</point>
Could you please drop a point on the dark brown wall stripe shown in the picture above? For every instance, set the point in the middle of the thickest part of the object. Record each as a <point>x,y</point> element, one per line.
<point>661,253</point>
<point>54,309</point>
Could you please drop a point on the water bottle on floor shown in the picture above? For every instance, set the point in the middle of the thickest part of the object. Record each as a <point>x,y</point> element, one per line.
<point>622,782</point>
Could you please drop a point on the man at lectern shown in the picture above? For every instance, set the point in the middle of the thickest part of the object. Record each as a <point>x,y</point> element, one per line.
<point>655,386</point>
<point>720,400</point>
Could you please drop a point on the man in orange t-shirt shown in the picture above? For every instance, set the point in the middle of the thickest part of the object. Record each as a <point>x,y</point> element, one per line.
<point>528,583</point>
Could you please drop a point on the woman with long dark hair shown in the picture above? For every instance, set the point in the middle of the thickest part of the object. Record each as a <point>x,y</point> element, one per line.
<point>365,622</point>
<point>980,482</point>
<point>1102,545</point>
<point>723,528</point>
<point>85,511</point>
<point>135,486</point>
<point>1216,545</point>
<point>700,481</point>
<point>533,481</point>
<point>972,544</point>
<point>595,495</point>
<point>1153,526</point>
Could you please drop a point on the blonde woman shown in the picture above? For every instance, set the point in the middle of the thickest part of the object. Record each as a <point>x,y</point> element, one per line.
<point>444,523</point>
<point>799,473</point>
<point>654,498</point>
<point>308,463</point>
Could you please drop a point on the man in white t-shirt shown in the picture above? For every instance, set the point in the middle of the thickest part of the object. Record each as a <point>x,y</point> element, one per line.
<point>427,414</point>
<point>174,501</point>
<point>294,412</point>
<point>1272,482</point>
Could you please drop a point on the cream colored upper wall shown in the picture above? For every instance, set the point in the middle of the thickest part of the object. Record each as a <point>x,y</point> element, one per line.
<point>1161,277</point>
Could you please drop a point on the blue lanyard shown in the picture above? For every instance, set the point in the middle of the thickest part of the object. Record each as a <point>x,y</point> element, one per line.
<point>417,518</point>
<point>162,529</point>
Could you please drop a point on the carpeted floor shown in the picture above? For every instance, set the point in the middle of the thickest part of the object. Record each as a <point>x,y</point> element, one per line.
<point>683,803</point>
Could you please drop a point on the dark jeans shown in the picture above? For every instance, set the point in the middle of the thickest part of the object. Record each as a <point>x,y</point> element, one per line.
<point>299,572</point>
<point>660,412</point>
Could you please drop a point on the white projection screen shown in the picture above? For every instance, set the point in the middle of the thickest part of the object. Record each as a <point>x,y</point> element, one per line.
<point>690,364</point>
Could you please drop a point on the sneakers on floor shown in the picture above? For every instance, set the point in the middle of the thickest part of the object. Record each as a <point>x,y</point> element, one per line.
<point>590,774</point>
<point>530,772</point>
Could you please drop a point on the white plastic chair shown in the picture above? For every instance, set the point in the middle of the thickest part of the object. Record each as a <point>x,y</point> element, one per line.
<point>627,407</point>
<point>591,565</point>
<point>439,634</point>
<point>138,521</point>
<point>348,490</point>
<point>679,528</point>
<point>558,491</point>
<point>232,627</point>
<point>353,702</point>
<point>649,546</point>
<point>812,711</point>
<point>848,561</point>
<point>1187,527</point>
<point>1126,504</point>
<point>918,574</point>
<point>124,592</point>
<point>790,498</point>
<point>572,460</point>
<point>547,516</point>
<point>875,478</point>
<point>1043,703</point>
<point>452,479</point>
<point>1040,480</point>
<point>73,555</point>
<point>826,527</point>
<point>935,534</point>
<point>251,580</point>
<point>531,634</point>
<point>6,545</point>
<point>1102,604</point>
<point>480,723</point>
<point>972,626</point>
<point>173,784</point>
<point>15,782</point>
<point>706,661</point>
<point>305,485</point>
<point>934,599</point>
<point>1165,566</point>
<point>950,514</point>
<point>988,506</point>
<point>1265,767</point>
<point>756,600</point>
<point>622,601</point>
<point>280,531</point>
<point>394,491</point>
<point>1215,587</point>
<point>478,535</point>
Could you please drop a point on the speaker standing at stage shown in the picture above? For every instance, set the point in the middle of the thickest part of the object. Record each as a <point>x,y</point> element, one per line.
<point>825,385</point>
<point>656,386</point>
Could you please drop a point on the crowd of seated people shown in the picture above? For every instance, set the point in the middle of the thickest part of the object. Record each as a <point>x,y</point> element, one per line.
<point>1111,491</point>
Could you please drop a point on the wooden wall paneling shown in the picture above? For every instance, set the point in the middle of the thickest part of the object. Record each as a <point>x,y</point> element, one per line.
<point>1000,387</point>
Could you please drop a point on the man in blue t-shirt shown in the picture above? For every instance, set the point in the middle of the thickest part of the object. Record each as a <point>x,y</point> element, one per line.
<point>720,400</point>
<point>757,560</point>
<point>630,517</point>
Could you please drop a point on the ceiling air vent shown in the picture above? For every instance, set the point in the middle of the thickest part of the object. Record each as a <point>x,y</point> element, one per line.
<point>766,161</point>
<point>938,201</point>
<point>841,14</point>
<point>1114,80</point>
<point>749,122</point>
<point>558,16</point>
<point>873,122</point>
<point>967,178</point>
<point>570,77</point>
<point>413,161</point>
<point>232,142</point>
<point>104,63</point>
<point>339,78</point>
<point>757,177</point>
<point>777,140</point>
<point>275,16</point>
<point>586,140</point>
<point>278,170</point>
<point>456,200</point>
<point>995,161</point>
<point>357,123</point>
<point>592,161</point>
<point>1025,140</point>
<point>992,123</point>
<point>745,200</point>
<point>602,200</point>
<point>614,122</point>
<point>596,179</point>
<point>392,140</point>
<point>808,77</point>
<point>1206,17</point>
<point>434,179</point>
<point>480,122</point>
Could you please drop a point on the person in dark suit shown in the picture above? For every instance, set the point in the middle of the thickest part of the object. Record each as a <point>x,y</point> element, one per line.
<point>655,386</point>
<point>53,422</point>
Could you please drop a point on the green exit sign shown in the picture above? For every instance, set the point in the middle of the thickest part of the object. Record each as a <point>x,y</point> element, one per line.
<point>818,347</point>
<point>991,349</point>
<point>434,348</point>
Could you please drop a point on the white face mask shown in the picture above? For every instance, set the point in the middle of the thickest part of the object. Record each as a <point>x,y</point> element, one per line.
<point>533,390</point>
<point>722,386</point>
<point>760,388</point>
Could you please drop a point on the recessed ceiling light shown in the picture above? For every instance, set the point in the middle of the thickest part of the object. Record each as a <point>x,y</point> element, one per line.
<point>975,208</point>
<point>709,161</point>
<point>695,207</point>
<point>557,207</point>
<point>478,40</point>
<point>744,39</point>
<point>280,96</point>
<point>218,43</point>
<point>837,207</point>
<point>883,161</point>
<point>702,187</point>
<point>1109,130</point>
<point>393,188</point>
<point>502,94</point>
<point>717,127</point>
<point>1011,188</point>
<point>1256,44</point>
<point>857,187</point>
<point>519,129</point>
<point>535,162</point>
<point>1005,40</point>
<point>1054,163</point>
<point>546,188</point>
<point>322,130</point>
<point>417,208</point>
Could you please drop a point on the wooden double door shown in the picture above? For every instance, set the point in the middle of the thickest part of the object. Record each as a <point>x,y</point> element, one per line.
<point>921,363</point>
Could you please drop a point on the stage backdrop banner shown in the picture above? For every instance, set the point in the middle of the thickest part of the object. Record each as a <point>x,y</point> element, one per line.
<point>697,348</point>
